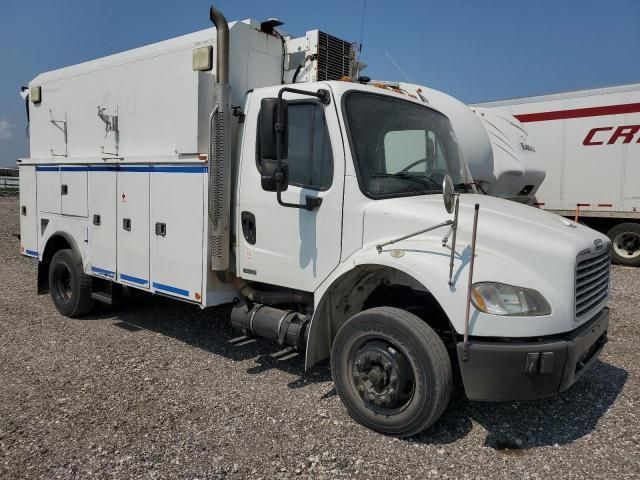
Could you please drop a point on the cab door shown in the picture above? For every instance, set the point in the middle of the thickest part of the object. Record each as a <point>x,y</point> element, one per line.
<point>292,247</point>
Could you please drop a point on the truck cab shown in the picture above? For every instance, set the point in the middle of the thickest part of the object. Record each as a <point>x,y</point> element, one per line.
<point>375,159</point>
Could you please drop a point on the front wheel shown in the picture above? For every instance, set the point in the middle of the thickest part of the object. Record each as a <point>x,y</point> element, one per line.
<point>391,371</point>
<point>625,242</point>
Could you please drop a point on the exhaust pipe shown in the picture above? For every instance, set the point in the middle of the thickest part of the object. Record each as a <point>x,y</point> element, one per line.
<point>220,151</point>
<point>287,327</point>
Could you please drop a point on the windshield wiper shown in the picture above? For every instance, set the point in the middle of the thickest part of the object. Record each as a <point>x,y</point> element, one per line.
<point>469,186</point>
<point>408,176</point>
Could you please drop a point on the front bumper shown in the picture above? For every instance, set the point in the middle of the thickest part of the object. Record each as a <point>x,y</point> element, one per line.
<point>504,371</point>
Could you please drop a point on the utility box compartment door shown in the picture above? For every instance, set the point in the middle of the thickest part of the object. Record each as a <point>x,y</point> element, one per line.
<point>28,213</point>
<point>73,190</point>
<point>103,201</point>
<point>177,230</point>
<point>48,185</point>
<point>132,225</point>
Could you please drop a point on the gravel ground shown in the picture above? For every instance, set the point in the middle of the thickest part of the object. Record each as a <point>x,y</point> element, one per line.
<point>153,389</point>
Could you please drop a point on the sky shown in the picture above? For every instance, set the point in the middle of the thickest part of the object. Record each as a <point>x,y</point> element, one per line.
<point>474,50</point>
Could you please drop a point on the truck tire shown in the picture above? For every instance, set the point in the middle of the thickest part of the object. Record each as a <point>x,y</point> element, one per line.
<point>70,288</point>
<point>391,370</point>
<point>625,243</point>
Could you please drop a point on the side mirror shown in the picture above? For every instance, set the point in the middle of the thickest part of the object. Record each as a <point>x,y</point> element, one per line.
<point>268,127</point>
<point>448,193</point>
<point>270,176</point>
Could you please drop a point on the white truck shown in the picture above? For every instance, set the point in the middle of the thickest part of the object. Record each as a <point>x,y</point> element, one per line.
<point>236,164</point>
<point>589,144</point>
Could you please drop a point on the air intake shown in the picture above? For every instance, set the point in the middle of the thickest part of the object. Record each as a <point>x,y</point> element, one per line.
<point>335,57</point>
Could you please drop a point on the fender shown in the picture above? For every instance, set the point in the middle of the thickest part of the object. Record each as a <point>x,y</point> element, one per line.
<point>52,240</point>
<point>362,272</point>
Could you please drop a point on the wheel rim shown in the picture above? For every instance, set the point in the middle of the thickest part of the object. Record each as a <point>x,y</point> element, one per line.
<point>627,244</point>
<point>382,377</point>
<point>64,287</point>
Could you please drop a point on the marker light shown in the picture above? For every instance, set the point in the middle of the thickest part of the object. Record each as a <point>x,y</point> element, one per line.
<point>501,299</point>
<point>202,59</point>
<point>35,94</point>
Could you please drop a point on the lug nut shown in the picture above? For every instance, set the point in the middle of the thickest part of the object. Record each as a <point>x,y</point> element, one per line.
<point>387,366</point>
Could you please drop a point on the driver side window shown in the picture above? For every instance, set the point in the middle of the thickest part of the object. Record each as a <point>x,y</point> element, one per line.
<point>310,157</point>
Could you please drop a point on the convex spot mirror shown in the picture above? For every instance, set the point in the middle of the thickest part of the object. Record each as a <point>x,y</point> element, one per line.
<point>448,193</point>
<point>269,176</point>
<point>269,127</point>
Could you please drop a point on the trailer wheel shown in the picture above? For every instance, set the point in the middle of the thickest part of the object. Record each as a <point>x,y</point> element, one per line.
<point>625,242</point>
<point>70,288</point>
<point>391,371</point>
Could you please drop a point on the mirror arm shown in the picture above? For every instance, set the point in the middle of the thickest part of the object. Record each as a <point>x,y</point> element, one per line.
<point>323,95</point>
<point>311,203</point>
<point>380,246</point>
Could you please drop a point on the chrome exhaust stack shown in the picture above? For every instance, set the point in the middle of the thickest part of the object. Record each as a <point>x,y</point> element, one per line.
<point>220,150</point>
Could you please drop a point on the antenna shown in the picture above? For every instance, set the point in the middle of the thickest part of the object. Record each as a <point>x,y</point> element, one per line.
<point>364,9</point>
<point>398,67</point>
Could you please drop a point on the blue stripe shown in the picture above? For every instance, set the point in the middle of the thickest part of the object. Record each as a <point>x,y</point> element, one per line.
<point>103,168</point>
<point>31,253</point>
<point>177,169</point>
<point>163,168</point>
<point>102,271</point>
<point>134,168</point>
<point>126,168</point>
<point>81,168</point>
<point>169,288</point>
<point>129,278</point>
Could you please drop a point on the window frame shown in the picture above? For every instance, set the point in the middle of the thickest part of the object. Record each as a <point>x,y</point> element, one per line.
<point>326,127</point>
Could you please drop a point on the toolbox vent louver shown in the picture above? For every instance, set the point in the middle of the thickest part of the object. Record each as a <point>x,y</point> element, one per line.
<point>335,57</point>
<point>592,281</point>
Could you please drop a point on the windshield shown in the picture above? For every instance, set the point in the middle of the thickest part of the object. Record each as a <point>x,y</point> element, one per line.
<point>400,148</point>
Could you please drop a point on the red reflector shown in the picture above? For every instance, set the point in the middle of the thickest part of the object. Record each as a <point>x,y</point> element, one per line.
<point>539,204</point>
<point>583,205</point>
<point>203,156</point>
<point>605,205</point>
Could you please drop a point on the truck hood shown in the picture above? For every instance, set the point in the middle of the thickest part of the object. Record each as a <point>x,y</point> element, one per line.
<point>500,222</point>
<point>516,245</point>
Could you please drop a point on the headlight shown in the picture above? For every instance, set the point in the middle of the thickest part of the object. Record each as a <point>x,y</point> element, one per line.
<point>501,299</point>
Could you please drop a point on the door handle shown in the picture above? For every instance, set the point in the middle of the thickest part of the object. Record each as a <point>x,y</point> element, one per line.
<point>161,229</point>
<point>126,224</point>
<point>248,221</point>
<point>64,189</point>
<point>97,220</point>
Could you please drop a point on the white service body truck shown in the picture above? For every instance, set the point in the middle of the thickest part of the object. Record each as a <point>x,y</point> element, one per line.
<point>234,165</point>
<point>589,144</point>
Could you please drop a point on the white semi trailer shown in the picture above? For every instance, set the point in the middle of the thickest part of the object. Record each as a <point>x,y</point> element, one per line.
<point>233,165</point>
<point>589,144</point>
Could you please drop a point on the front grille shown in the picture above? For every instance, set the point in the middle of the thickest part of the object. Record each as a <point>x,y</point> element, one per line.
<point>592,281</point>
<point>334,57</point>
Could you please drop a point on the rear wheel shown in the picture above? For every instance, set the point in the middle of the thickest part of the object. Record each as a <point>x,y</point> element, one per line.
<point>391,371</point>
<point>69,287</point>
<point>625,242</point>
